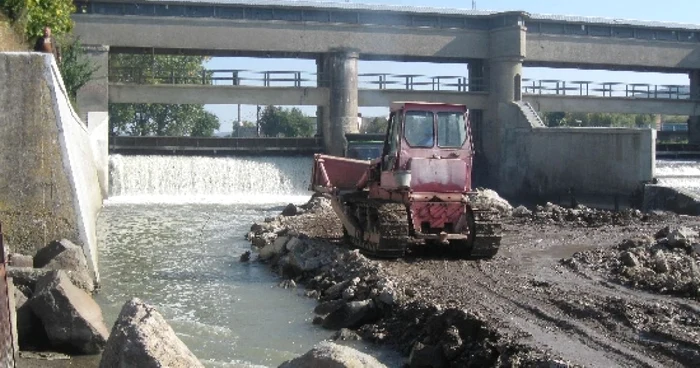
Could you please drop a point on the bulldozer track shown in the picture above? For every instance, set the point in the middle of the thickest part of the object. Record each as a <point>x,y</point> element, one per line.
<point>487,233</point>
<point>385,228</point>
<point>385,225</point>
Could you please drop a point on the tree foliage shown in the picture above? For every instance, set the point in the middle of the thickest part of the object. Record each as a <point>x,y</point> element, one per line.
<point>158,119</point>
<point>557,119</point>
<point>377,125</point>
<point>34,15</point>
<point>76,69</point>
<point>276,121</point>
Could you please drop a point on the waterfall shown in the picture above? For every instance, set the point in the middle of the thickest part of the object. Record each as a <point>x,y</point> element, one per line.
<point>254,179</point>
<point>678,174</point>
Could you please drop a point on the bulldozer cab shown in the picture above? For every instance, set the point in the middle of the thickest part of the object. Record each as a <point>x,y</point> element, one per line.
<point>425,130</point>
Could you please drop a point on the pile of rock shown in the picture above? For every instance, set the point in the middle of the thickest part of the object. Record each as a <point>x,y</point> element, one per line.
<point>487,198</point>
<point>668,263</point>
<point>580,215</point>
<point>54,308</point>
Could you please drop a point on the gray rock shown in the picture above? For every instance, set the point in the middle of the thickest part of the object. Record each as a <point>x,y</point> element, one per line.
<point>336,291</point>
<point>245,257</point>
<point>352,315</point>
<point>521,211</point>
<point>451,343</point>
<point>426,356</point>
<point>70,316</point>
<point>345,334</point>
<point>660,263</point>
<point>328,307</point>
<point>66,256</point>
<point>681,237</point>
<point>141,338</point>
<point>274,248</point>
<point>26,277</point>
<point>331,355</point>
<point>290,210</point>
<point>629,259</point>
<point>20,260</point>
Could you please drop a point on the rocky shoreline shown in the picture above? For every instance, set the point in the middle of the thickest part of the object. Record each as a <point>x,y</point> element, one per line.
<point>428,307</point>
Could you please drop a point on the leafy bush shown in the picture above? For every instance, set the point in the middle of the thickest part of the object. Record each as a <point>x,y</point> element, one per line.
<point>34,15</point>
<point>76,69</point>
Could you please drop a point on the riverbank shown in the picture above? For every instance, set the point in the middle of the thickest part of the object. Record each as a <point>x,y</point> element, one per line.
<point>527,306</point>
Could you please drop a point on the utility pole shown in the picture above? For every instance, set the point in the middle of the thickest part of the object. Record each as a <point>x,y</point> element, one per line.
<point>473,4</point>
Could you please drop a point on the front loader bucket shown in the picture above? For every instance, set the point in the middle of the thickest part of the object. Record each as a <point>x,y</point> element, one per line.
<point>336,173</point>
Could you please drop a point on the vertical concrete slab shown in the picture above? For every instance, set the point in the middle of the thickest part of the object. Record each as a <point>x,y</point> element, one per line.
<point>98,127</point>
<point>94,95</point>
<point>49,186</point>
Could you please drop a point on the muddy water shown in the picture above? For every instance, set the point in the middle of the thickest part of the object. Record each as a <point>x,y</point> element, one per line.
<point>171,234</point>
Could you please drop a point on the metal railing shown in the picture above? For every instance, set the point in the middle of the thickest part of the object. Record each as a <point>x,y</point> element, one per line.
<point>606,89</point>
<point>389,81</point>
<point>291,78</point>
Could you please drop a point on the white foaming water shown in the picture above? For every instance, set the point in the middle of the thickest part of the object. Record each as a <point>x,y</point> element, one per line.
<point>678,173</point>
<point>194,179</point>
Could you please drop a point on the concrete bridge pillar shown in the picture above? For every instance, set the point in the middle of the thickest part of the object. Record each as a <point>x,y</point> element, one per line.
<point>503,74</point>
<point>337,71</point>
<point>694,122</point>
<point>94,96</point>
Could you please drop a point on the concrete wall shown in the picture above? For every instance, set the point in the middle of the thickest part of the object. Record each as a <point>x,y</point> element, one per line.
<point>657,197</point>
<point>613,105</point>
<point>229,35</point>
<point>549,161</point>
<point>611,53</point>
<point>48,179</point>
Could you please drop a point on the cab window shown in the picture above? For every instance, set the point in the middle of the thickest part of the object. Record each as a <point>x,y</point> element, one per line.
<point>452,129</point>
<point>419,129</point>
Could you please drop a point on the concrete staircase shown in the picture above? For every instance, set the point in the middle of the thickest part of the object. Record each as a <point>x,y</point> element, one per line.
<point>530,114</point>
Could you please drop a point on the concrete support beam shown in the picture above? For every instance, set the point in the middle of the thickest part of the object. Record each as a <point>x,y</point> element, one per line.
<point>694,122</point>
<point>383,98</point>
<point>206,94</point>
<point>94,96</point>
<point>621,105</point>
<point>342,70</point>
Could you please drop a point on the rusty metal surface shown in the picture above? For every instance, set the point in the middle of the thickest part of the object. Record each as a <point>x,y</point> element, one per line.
<point>7,358</point>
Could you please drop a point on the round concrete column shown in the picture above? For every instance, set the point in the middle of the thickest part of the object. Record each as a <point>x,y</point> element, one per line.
<point>342,70</point>
<point>504,80</point>
<point>694,121</point>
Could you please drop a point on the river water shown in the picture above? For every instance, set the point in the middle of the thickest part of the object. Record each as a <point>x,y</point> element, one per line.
<point>171,234</point>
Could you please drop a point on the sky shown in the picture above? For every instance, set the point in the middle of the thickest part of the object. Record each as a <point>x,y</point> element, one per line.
<point>678,11</point>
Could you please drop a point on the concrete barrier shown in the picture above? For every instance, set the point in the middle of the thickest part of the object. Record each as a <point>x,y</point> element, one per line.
<point>657,197</point>
<point>551,161</point>
<point>49,182</point>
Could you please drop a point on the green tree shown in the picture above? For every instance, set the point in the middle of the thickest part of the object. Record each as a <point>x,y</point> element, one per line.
<point>76,69</point>
<point>375,126</point>
<point>159,119</point>
<point>34,15</point>
<point>276,121</point>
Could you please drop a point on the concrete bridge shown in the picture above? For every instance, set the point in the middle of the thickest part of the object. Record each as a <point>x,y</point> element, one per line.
<point>494,46</point>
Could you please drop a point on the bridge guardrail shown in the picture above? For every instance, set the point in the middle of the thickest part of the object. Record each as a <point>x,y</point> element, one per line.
<point>382,81</point>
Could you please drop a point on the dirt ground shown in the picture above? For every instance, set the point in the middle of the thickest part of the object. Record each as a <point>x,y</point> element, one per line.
<point>533,300</point>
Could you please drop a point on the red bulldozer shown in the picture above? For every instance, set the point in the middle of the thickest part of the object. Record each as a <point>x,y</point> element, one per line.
<point>418,190</point>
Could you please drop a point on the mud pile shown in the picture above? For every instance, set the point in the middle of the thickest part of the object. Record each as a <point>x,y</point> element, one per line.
<point>668,263</point>
<point>579,216</point>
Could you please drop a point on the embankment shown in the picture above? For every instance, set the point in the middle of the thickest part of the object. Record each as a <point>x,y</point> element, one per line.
<point>49,182</point>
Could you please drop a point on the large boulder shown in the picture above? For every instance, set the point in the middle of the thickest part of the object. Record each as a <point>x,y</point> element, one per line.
<point>66,256</point>
<point>30,333</point>
<point>352,315</point>
<point>141,338</point>
<point>20,260</point>
<point>71,318</point>
<point>331,355</point>
<point>275,248</point>
<point>25,278</point>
